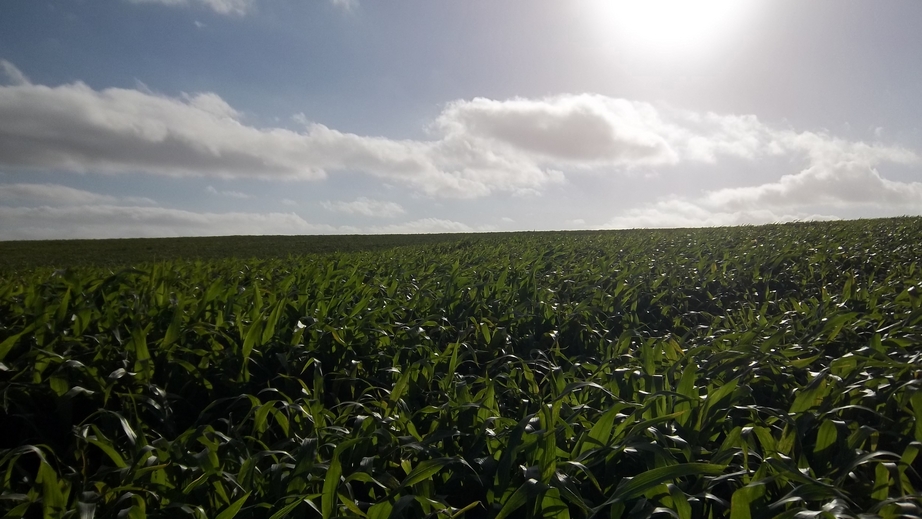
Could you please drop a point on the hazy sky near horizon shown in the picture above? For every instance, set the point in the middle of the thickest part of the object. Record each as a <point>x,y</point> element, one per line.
<point>125,118</point>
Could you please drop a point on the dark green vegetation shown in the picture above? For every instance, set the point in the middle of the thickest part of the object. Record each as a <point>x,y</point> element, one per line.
<point>127,252</point>
<point>748,372</point>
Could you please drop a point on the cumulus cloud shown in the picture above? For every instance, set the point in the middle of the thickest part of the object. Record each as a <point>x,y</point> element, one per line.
<point>367,207</point>
<point>840,176</point>
<point>235,7</point>
<point>845,184</point>
<point>576,129</point>
<point>476,147</point>
<point>74,127</point>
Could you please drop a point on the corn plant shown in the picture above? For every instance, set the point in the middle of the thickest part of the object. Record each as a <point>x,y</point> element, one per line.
<point>751,372</point>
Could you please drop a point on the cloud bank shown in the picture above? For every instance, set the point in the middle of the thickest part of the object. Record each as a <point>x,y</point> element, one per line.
<point>52,211</point>
<point>476,148</point>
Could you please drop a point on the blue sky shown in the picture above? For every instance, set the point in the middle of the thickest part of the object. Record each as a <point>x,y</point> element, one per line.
<point>122,118</point>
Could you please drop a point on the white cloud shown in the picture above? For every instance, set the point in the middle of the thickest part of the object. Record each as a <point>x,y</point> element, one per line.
<point>477,147</point>
<point>110,221</point>
<point>44,194</point>
<point>684,213</point>
<point>346,5</point>
<point>849,185</point>
<point>845,184</point>
<point>424,225</point>
<point>60,212</point>
<point>367,207</point>
<point>840,177</point>
<point>583,130</point>
<point>72,213</point>
<point>236,7</point>
<point>73,127</point>
<point>233,194</point>
<point>13,74</point>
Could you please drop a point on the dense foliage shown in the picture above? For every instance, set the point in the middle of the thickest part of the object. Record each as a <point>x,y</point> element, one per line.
<point>747,372</point>
<point>126,252</point>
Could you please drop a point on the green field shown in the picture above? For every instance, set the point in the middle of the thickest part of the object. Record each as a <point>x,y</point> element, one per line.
<point>771,371</point>
<point>18,255</point>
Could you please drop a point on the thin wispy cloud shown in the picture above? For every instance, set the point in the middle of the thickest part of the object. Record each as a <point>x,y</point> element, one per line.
<point>346,5</point>
<point>234,7</point>
<point>425,226</point>
<point>227,7</point>
<point>24,194</point>
<point>111,221</point>
<point>232,194</point>
<point>366,207</point>
<point>56,212</point>
<point>12,74</point>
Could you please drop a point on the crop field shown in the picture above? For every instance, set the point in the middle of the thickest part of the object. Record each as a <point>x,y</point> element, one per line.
<point>751,372</point>
<point>112,253</point>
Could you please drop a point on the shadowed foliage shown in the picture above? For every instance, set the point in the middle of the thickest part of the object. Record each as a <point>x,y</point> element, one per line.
<point>751,372</point>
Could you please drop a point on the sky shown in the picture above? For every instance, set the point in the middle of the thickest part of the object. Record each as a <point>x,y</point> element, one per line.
<point>148,118</point>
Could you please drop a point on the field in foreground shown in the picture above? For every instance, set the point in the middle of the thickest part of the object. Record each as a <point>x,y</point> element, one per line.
<point>747,372</point>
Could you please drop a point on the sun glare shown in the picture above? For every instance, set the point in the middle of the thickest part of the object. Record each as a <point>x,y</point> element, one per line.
<point>665,26</point>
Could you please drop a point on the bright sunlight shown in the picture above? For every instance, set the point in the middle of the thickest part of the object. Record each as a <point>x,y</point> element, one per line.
<point>675,27</point>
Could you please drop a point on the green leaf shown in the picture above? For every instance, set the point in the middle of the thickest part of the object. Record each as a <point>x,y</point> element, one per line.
<point>11,341</point>
<point>254,333</point>
<point>425,470</point>
<point>231,511</point>
<point>553,506</point>
<point>881,488</point>
<point>906,461</point>
<point>461,511</point>
<point>517,499</point>
<point>143,365</point>
<point>637,485</point>
<point>742,499</point>
<point>715,398</point>
<point>916,401</point>
<point>54,503</point>
<point>272,321</point>
<point>600,433</point>
<point>112,453</point>
<point>680,501</point>
<point>283,512</point>
<point>331,479</point>
<point>826,436</point>
<point>380,510</point>
<point>401,385</point>
<point>172,333</point>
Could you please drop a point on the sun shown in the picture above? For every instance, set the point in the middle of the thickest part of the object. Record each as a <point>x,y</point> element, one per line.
<point>665,26</point>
